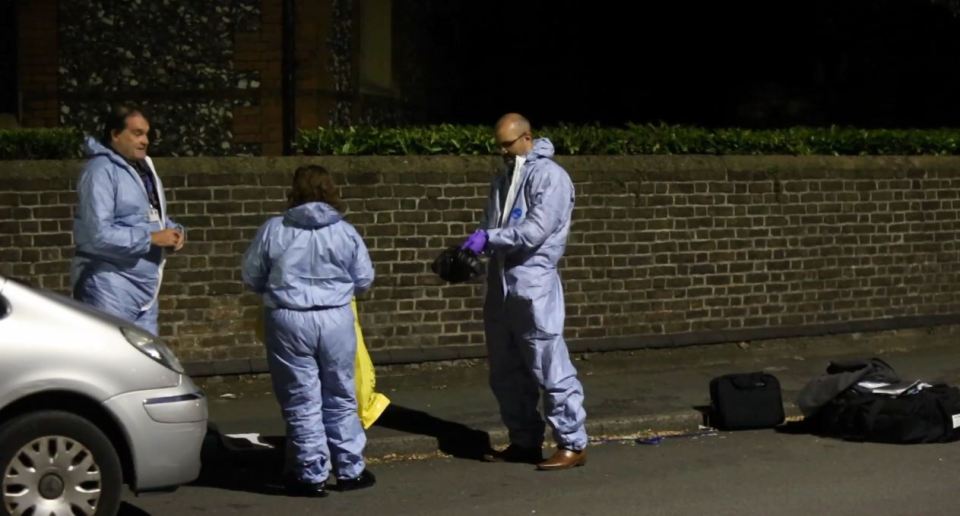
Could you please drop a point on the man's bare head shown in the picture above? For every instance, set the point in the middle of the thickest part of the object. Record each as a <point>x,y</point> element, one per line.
<point>513,135</point>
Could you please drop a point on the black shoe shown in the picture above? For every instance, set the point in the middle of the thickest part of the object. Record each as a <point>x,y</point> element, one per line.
<point>514,453</point>
<point>363,481</point>
<point>305,489</point>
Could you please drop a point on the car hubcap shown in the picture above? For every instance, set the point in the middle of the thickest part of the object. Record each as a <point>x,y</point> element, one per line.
<point>52,475</point>
<point>51,486</point>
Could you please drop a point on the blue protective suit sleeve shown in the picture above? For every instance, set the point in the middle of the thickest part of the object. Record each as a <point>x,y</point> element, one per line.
<point>487,219</point>
<point>362,268</point>
<point>256,266</point>
<point>170,224</point>
<point>96,192</point>
<point>550,203</point>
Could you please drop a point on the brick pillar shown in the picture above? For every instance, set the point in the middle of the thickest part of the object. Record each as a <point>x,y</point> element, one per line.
<point>314,86</point>
<point>37,57</point>
<point>261,51</point>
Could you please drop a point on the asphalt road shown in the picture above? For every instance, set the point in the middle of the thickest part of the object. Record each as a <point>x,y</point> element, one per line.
<point>746,473</point>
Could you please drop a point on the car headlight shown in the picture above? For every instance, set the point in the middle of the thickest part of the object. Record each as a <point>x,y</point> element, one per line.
<point>153,347</point>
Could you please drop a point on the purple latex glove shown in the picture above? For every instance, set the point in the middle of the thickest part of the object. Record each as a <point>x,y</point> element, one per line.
<point>476,242</point>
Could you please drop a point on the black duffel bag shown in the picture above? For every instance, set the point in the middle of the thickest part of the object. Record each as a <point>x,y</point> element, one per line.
<point>930,415</point>
<point>745,400</point>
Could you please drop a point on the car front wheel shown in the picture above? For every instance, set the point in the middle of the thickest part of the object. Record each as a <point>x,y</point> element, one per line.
<point>57,463</point>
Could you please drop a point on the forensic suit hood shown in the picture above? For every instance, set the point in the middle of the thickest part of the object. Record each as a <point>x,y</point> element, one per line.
<point>308,258</point>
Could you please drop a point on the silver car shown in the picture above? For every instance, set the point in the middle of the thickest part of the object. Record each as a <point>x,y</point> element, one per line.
<point>88,402</point>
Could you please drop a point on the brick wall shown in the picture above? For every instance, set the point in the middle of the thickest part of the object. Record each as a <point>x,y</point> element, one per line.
<point>663,251</point>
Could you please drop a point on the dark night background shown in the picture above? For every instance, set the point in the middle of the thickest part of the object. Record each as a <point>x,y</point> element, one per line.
<point>762,64</point>
<point>881,63</point>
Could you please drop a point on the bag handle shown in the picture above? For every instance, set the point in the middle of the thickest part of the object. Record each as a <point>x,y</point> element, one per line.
<point>749,381</point>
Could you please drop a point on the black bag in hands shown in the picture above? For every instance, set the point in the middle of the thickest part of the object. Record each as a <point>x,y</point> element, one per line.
<point>457,265</point>
<point>745,400</point>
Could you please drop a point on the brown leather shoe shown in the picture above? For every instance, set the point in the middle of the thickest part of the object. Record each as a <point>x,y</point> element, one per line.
<point>514,453</point>
<point>564,459</point>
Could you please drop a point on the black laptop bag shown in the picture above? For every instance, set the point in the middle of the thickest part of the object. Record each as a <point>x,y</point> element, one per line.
<point>745,400</point>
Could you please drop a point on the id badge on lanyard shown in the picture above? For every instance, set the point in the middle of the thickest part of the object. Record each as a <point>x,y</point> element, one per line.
<point>153,215</point>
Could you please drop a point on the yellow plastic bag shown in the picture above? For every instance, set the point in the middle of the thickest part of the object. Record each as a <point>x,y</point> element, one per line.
<point>370,403</point>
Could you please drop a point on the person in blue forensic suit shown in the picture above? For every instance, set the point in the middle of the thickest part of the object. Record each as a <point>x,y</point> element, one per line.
<point>307,264</point>
<point>524,230</point>
<point>121,228</point>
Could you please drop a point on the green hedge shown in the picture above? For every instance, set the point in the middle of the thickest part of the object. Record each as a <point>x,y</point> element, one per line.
<point>568,139</point>
<point>634,139</point>
<point>40,143</point>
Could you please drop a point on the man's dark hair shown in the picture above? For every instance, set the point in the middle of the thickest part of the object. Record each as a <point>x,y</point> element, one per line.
<point>312,183</point>
<point>115,120</point>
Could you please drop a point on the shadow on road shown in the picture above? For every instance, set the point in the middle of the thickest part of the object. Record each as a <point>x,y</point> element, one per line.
<point>796,428</point>
<point>452,438</point>
<point>706,414</point>
<point>254,463</point>
<point>128,509</point>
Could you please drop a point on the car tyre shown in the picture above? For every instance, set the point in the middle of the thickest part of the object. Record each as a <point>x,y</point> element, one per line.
<point>57,463</point>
